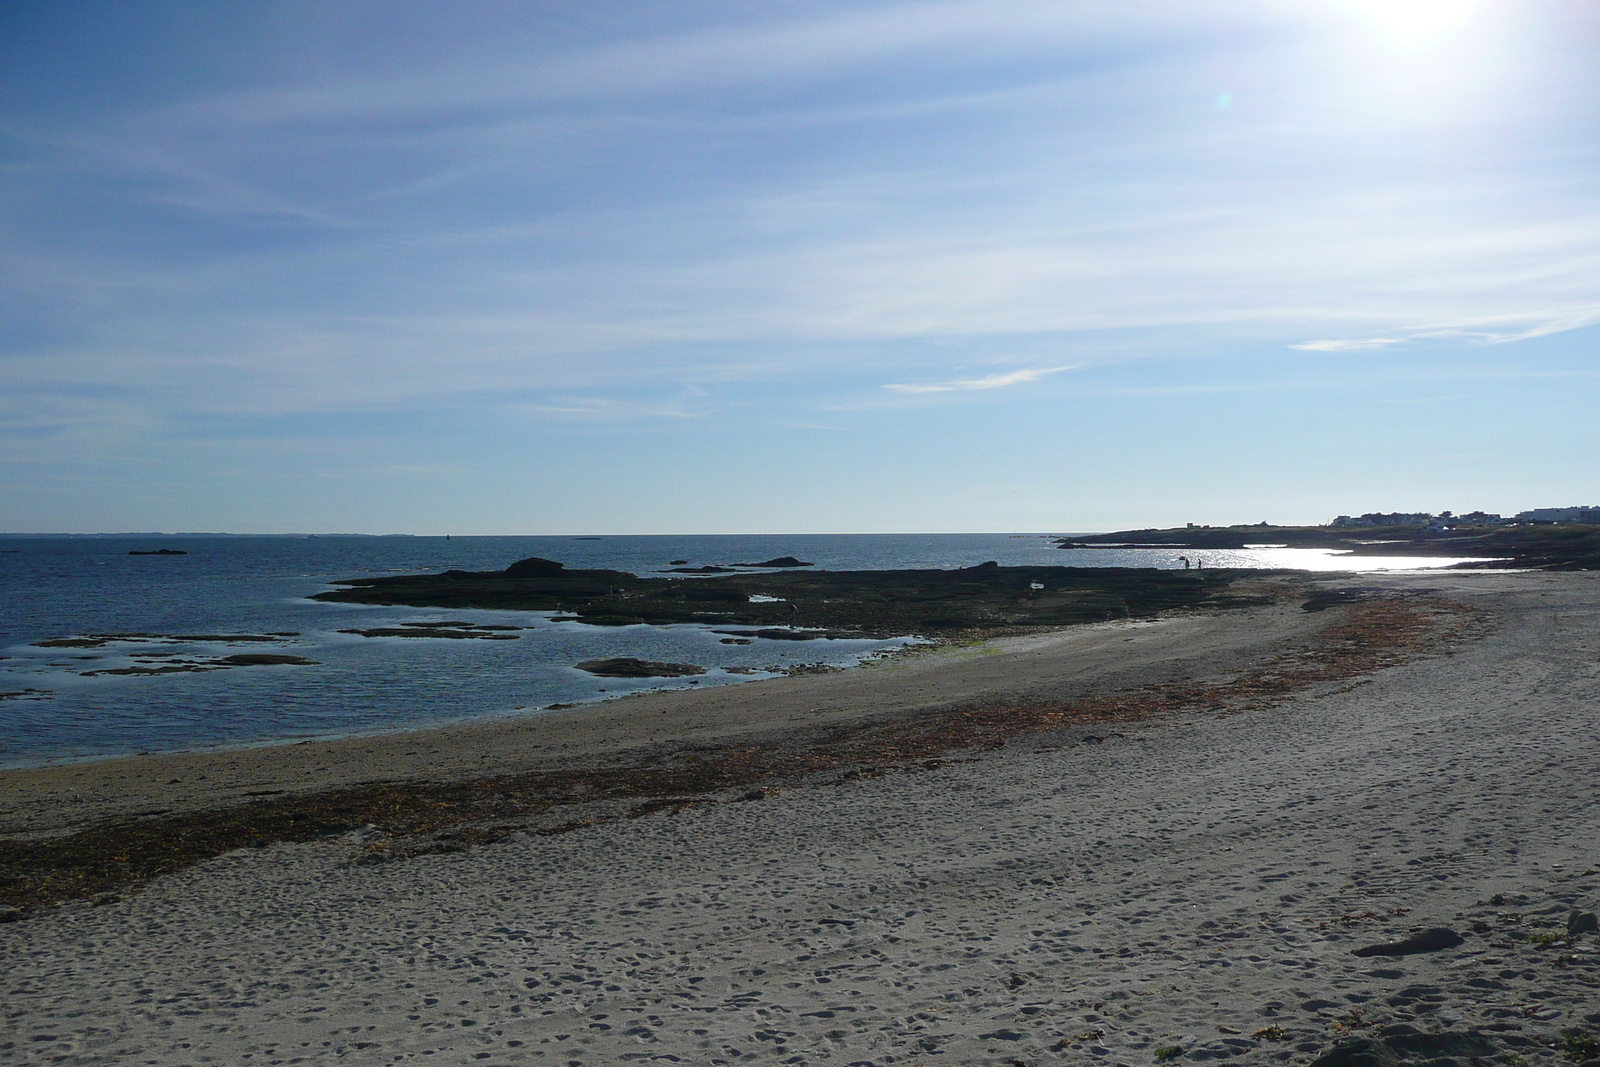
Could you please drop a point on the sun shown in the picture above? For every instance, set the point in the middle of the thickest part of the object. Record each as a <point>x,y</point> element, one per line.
<point>1409,22</point>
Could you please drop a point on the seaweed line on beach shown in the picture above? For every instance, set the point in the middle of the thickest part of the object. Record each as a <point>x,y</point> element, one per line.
<point>395,820</point>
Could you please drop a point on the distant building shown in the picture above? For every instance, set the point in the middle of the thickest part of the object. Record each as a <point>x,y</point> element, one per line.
<point>1393,518</point>
<point>1581,514</point>
<point>1443,520</point>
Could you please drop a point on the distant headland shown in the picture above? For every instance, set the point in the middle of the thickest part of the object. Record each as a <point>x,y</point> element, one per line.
<point>1545,538</point>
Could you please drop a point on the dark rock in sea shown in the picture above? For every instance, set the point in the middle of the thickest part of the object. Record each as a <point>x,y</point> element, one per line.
<point>1426,941</point>
<point>451,630</point>
<point>628,667</point>
<point>775,634</point>
<point>101,640</point>
<point>159,552</point>
<point>781,561</point>
<point>737,641</point>
<point>200,666</point>
<point>677,562</point>
<point>534,567</point>
<point>700,570</point>
<point>1582,922</point>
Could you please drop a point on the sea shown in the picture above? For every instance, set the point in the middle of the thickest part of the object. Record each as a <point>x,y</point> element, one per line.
<point>64,703</point>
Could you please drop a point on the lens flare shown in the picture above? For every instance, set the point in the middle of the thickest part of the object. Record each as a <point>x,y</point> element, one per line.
<point>1412,21</point>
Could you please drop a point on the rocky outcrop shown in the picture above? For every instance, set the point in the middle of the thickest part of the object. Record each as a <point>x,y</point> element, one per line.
<point>534,567</point>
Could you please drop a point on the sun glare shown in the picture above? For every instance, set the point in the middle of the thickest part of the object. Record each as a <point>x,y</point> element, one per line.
<point>1408,22</point>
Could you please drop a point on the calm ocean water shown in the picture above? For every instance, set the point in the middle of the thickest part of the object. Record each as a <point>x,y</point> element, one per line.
<point>60,587</point>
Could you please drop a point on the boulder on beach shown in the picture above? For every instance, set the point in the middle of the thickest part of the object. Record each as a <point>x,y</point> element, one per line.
<point>534,567</point>
<point>628,667</point>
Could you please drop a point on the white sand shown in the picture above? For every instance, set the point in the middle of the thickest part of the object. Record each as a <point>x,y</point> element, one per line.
<point>1180,885</point>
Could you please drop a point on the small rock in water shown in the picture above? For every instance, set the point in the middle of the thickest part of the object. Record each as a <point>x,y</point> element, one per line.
<point>628,667</point>
<point>1426,941</point>
<point>266,659</point>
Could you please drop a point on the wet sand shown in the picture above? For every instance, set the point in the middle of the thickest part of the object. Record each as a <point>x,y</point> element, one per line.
<point>1190,883</point>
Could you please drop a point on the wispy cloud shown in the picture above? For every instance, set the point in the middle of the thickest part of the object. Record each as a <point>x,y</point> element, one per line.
<point>1348,344</point>
<point>993,381</point>
<point>554,222</point>
<point>1475,329</point>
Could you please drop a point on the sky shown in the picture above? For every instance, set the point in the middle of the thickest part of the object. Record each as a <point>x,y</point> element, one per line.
<point>690,267</point>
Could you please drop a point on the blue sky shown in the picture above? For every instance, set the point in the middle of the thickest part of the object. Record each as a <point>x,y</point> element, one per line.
<point>711,267</point>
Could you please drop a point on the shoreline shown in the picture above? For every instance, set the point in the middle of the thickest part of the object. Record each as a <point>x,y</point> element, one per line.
<point>915,646</point>
<point>1084,663</point>
<point>936,639</point>
<point>1187,884</point>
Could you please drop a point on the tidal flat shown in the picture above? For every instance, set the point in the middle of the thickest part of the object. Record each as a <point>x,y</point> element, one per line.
<point>885,603</point>
<point>1218,833</point>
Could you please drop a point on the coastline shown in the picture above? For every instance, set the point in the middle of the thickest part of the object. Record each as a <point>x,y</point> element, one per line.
<point>997,669</point>
<point>1189,881</point>
<point>1084,660</point>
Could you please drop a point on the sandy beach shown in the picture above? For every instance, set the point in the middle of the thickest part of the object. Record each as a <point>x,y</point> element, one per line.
<point>1183,885</point>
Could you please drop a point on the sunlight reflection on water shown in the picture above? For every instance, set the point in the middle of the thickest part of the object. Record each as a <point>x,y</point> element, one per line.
<point>1258,557</point>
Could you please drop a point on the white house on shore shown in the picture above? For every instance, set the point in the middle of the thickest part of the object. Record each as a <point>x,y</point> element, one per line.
<point>1589,514</point>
